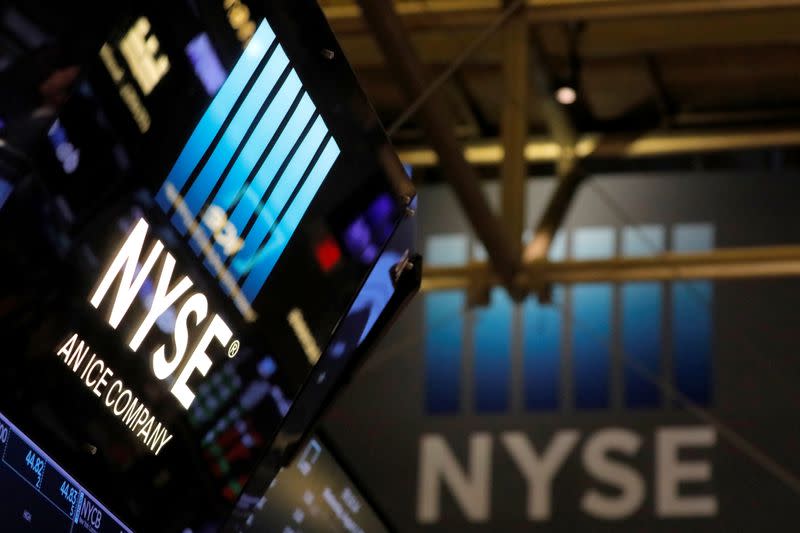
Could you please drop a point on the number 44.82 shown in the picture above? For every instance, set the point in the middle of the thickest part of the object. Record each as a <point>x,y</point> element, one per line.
<point>34,462</point>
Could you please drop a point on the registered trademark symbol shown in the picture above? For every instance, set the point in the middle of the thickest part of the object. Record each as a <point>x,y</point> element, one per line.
<point>233,349</point>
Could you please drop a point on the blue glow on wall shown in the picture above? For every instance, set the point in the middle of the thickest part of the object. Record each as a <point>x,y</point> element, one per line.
<point>444,328</point>
<point>638,326</point>
<point>542,334</point>
<point>641,321</point>
<point>691,320</point>
<point>591,325</point>
<point>260,153</point>
<point>443,347</point>
<point>492,359</point>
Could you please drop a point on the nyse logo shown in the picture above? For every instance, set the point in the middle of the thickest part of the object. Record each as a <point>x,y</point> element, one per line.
<point>193,321</point>
<point>605,456</point>
<point>568,364</point>
<point>250,170</point>
<point>566,359</point>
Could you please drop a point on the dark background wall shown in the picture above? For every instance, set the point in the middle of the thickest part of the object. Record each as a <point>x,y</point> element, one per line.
<point>730,348</point>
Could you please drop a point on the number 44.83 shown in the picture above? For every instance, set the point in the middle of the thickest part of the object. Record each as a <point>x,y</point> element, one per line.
<point>68,492</point>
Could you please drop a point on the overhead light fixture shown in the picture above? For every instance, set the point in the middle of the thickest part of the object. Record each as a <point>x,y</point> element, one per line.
<point>566,95</point>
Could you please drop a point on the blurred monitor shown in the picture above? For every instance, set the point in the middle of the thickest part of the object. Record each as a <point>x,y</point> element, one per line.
<point>315,495</point>
<point>240,176</point>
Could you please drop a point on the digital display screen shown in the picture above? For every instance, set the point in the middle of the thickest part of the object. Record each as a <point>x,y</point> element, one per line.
<point>393,280</point>
<point>250,170</point>
<point>368,306</point>
<point>314,495</point>
<point>38,495</point>
<point>204,212</point>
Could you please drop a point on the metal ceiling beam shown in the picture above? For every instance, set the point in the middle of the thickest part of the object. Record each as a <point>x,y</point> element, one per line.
<point>444,14</point>
<point>403,59</point>
<point>568,169</point>
<point>514,124</point>
<point>614,146</point>
<point>606,42</point>
<point>570,176</point>
<point>725,263</point>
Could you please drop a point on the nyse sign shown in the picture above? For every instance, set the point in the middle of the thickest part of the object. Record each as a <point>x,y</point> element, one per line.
<point>615,468</point>
<point>195,326</point>
<point>555,376</point>
<point>193,322</point>
<point>681,465</point>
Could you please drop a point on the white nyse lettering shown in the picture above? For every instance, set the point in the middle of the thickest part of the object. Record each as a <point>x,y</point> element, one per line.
<point>162,300</point>
<point>196,305</point>
<point>671,472</point>
<point>124,266</point>
<point>126,261</point>
<point>539,471</point>
<point>199,359</point>
<point>597,462</point>
<point>471,489</point>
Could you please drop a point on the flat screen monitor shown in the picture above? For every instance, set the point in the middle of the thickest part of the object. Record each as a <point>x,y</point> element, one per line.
<point>315,495</point>
<point>202,213</point>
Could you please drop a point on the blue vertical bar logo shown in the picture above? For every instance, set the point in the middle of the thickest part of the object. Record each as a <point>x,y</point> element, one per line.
<point>642,320</point>
<point>592,306</point>
<point>444,328</point>
<point>250,169</point>
<point>568,359</point>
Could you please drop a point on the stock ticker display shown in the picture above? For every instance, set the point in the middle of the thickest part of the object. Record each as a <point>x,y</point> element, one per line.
<point>38,495</point>
<point>184,238</point>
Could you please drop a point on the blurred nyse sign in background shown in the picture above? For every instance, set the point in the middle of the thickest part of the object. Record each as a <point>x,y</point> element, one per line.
<point>580,326</point>
<point>550,413</point>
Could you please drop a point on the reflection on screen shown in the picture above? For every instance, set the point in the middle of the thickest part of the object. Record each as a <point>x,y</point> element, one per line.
<point>38,495</point>
<point>357,324</point>
<point>314,495</point>
<point>5,191</point>
<point>206,63</point>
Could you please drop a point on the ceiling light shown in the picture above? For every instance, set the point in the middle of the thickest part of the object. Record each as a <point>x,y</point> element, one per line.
<point>566,95</point>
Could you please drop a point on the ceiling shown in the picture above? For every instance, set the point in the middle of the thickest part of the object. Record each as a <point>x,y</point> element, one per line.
<point>639,65</point>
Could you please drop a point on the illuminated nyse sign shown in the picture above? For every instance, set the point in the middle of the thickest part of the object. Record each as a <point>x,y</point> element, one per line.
<point>148,66</point>
<point>193,314</point>
<point>194,326</point>
<point>250,170</point>
<point>636,314</point>
<point>238,192</point>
